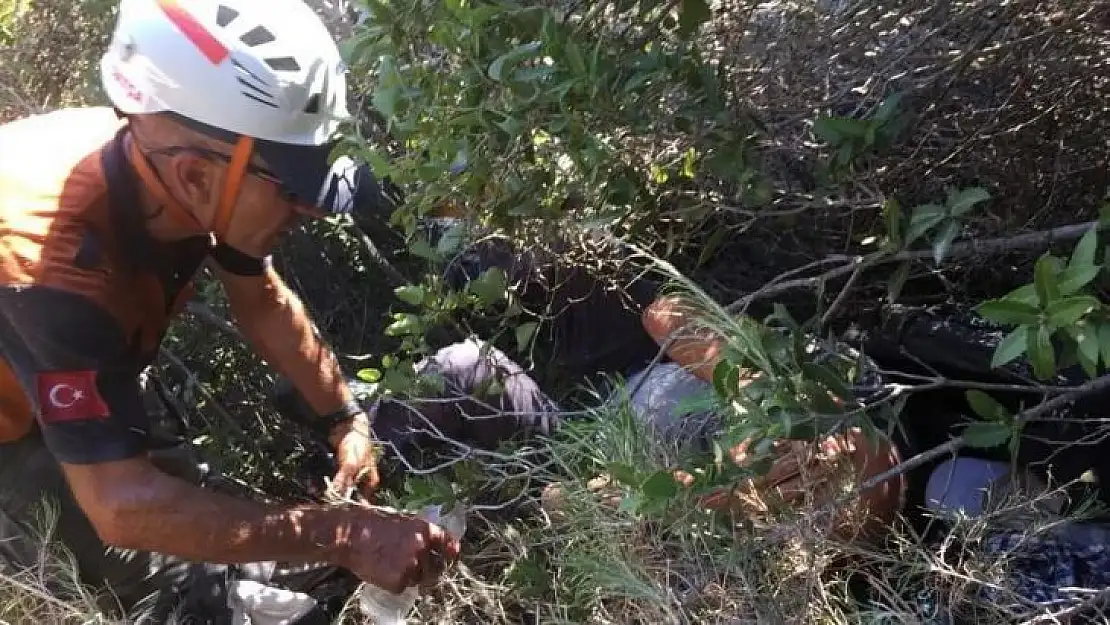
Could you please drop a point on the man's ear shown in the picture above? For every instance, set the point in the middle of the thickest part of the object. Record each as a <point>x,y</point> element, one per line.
<point>195,181</point>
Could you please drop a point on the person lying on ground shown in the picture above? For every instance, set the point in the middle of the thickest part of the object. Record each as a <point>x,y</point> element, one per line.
<point>225,114</point>
<point>600,330</point>
<point>470,396</point>
<point>800,469</point>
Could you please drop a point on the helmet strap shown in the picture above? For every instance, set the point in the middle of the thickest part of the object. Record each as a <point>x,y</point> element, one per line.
<point>233,184</point>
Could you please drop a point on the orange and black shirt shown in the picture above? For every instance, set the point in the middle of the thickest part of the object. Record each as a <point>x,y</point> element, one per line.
<point>85,294</point>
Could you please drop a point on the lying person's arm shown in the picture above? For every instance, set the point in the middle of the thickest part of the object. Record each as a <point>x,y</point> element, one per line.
<point>695,349</point>
<point>795,473</point>
<point>73,361</point>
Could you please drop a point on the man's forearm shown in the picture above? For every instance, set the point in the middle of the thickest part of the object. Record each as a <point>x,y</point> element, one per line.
<point>282,333</point>
<point>170,516</point>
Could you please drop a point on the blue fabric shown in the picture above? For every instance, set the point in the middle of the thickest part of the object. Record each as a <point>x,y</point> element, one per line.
<point>1039,567</point>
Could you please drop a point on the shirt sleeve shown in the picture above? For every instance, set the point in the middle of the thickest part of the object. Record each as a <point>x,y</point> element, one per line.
<point>75,367</point>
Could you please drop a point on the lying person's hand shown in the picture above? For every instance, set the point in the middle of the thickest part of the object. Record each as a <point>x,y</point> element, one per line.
<point>395,551</point>
<point>803,472</point>
<point>357,458</point>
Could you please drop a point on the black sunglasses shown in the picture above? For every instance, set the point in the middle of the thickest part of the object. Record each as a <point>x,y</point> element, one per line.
<point>254,170</point>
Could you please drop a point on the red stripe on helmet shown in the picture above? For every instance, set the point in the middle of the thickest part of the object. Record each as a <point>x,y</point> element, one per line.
<point>208,45</point>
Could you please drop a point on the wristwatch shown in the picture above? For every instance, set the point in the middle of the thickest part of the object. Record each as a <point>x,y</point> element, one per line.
<point>324,424</point>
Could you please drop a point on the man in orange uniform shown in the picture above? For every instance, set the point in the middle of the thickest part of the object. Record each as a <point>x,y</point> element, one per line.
<point>225,113</point>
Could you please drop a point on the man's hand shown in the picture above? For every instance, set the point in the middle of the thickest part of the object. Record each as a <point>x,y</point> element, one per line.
<point>394,551</point>
<point>356,457</point>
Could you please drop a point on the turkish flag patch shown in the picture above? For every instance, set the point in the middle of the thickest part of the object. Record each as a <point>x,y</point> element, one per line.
<point>66,396</point>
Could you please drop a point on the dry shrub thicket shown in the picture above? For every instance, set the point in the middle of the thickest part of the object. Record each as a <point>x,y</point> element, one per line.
<point>1012,96</point>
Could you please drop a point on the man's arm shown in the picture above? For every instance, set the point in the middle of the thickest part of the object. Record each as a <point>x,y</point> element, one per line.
<point>72,361</point>
<point>133,505</point>
<point>71,358</point>
<point>277,325</point>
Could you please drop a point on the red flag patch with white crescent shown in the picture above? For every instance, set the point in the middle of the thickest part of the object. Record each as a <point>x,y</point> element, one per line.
<point>69,396</point>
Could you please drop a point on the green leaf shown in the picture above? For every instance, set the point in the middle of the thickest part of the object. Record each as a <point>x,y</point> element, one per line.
<point>924,218</point>
<point>987,435</point>
<point>490,286</point>
<point>888,108</point>
<point>371,375</point>
<point>410,294</point>
<point>726,377</point>
<point>834,130</point>
<point>892,218</point>
<point>421,249</point>
<point>986,406</point>
<point>692,14</point>
<point>1026,294</point>
<point>1073,279</point>
<point>1065,312</point>
<point>622,473</point>
<point>508,60</point>
<point>1010,348</point>
<point>1104,343</point>
<point>1084,253</point>
<point>960,202</point>
<point>406,324</point>
<point>660,486</point>
<point>1041,352</point>
<point>948,233</point>
<point>1087,347</point>
<point>629,504</point>
<point>524,334</point>
<point>829,380</point>
<point>897,281</point>
<point>1044,279</point>
<point>1009,311</point>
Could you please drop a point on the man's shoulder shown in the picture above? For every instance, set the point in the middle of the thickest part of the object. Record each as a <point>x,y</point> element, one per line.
<point>51,180</point>
<point>54,152</point>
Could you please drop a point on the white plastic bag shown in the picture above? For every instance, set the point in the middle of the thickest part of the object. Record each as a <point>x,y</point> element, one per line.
<point>253,603</point>
<point>385,608</point>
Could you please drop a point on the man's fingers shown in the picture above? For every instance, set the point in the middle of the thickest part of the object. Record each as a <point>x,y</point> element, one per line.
<point>342,481</point>
<point>368,482</point>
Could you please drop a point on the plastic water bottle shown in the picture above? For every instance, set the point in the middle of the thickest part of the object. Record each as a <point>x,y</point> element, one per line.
<point>385,608</point>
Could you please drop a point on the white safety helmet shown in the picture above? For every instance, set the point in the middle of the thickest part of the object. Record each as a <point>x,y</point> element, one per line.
<point>264,75</point>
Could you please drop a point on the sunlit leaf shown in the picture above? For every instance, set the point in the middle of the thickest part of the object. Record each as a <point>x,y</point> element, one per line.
<point>1010,348</point>
<point>1084,253</point>
<point>1007,311</point>
<point>1044,279</point>
<point>947,234</point>
<point>410,294</point>
<point>960,202</point>
<point>1041,352</point>
<point>1064,312</point>
<point>986,406</point>
<point>987,435</point>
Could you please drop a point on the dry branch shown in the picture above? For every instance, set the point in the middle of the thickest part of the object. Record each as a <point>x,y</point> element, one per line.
<point>966,249</point>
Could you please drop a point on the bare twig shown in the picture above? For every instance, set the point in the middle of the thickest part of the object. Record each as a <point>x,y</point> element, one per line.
<point>974,247</point>
<point>954,445</point>
<point>207,315</point>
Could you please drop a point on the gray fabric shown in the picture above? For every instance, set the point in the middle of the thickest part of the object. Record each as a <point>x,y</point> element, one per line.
<point>665,401</point>
<point>486,399</point>
<point>966,486</point>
